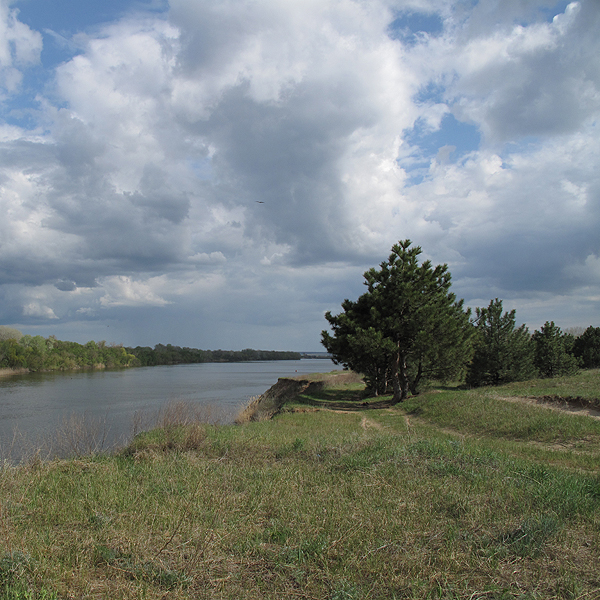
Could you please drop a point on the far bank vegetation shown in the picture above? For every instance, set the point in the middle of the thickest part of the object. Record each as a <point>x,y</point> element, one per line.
<point>36,353</point>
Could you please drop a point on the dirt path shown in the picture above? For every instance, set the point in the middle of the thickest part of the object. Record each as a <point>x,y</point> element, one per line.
<point>556,405</point>
<point>369,423</point>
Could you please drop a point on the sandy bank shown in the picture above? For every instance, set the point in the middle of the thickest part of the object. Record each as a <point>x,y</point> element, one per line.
<point>271,402</point>
<point>8,372</point>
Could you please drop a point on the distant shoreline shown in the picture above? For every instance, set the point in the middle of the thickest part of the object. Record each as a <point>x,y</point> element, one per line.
<point>8,372</point>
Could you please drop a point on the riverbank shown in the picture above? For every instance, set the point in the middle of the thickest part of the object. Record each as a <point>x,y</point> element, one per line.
<point>9,372</point>
<point>290,390</point>
<point>454,494</point>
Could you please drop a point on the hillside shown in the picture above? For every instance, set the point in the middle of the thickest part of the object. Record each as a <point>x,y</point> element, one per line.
<point>454,494</point>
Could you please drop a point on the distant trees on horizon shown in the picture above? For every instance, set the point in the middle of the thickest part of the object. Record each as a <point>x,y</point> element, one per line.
<point>36,353</point>
<point>173,355</point>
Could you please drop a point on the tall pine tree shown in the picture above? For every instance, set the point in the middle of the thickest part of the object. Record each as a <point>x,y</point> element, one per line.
<point>406,328</point>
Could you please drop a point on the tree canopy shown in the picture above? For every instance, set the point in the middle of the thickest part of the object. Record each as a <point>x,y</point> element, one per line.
<point>552,356</point>
<point>587,348</point>
<point>503,352</point>
<point>9,333</point>
<point>407,327</point>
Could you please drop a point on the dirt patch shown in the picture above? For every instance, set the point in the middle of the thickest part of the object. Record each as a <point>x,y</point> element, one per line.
<point>589,407</point>
<point>349,406</point>
<point>370,424</point>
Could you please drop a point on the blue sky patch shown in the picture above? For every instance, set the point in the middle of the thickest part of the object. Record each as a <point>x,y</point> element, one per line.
<point>432,92</point>
<point>408,26</point>
<point>464,137</point>
<point>72,16</point>
<point>449,143</point>
<point>550,12</point>
<point>58,20</point>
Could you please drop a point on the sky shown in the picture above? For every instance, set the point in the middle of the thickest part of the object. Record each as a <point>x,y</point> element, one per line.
<point>220,173</point>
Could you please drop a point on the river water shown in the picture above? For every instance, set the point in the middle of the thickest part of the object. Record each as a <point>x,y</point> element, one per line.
<point>63,412</point>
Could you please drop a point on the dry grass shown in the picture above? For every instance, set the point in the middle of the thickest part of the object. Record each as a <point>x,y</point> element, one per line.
<point>308,505</point>
<point>249,412</point>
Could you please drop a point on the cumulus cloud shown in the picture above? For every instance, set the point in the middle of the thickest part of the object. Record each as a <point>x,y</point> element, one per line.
<point>219,162</point>
<point>19,46</point>
<point>35,309</point>
<point>123,291</point>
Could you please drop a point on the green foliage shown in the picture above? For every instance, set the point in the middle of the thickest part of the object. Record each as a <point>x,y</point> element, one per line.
<point>9,333</point>
<point>37,353</point>
<point>587,348</point>
<point>551,356</point>
<point>168,354</point>
<point>503,352</point>
<point>360,346</point>
<point>406,328</point>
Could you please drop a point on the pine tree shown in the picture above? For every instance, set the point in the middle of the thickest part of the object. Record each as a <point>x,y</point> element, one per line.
<point>551,356</point>
<point>587,348</point>
<point>503,352</point>
<point>406,328</point>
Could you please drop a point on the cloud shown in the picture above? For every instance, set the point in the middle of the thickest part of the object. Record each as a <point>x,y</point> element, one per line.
<point>534,80</point>
<point>202,258</point>
<point>34,309</point>
<point>238,165</point>
<point>19,45</point>
<point>123,291</point>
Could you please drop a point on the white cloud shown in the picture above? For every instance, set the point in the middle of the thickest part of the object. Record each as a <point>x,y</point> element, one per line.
<point>123,291</point>
<point>19,45</point>
<point>35,309</point>
<point>220,158</point>
<point>203,258</point>
<point>537,79</point>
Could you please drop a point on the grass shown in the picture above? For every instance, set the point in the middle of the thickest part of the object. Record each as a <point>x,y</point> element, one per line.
<point>450,495</point>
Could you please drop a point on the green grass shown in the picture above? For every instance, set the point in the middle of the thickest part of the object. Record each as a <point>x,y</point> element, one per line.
<point>586,384</point>
<point>452,494</point>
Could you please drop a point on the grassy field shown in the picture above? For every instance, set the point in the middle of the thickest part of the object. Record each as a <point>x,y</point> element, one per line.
<point>453,494</point>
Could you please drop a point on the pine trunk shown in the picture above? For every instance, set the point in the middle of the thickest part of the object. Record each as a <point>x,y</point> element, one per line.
<point>400,380</point>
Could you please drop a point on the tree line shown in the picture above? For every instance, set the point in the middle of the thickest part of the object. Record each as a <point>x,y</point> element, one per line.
<point>36,353</point>
<point>408,327</point>
<point>174,355</point>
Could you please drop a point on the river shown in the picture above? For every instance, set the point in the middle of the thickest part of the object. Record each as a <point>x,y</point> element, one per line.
<point>60,412</point>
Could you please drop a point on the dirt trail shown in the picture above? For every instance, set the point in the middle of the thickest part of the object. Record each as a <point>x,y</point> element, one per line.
<point>557,405</point>
<point>369,423</point>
